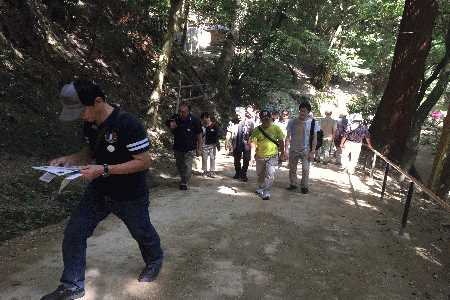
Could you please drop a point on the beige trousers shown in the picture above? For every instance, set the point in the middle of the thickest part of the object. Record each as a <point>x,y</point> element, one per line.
<point>294,157</point>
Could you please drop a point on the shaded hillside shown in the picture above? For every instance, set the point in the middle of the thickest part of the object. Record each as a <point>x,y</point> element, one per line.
<point>44,47</point>
<point>44,44</point>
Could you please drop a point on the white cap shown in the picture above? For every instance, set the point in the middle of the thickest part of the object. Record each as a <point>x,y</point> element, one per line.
<point>239,110</point>
<point>72,106</point>
<point>357,117</point>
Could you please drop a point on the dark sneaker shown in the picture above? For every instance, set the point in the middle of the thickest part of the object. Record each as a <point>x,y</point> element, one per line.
<point>265,197</point>
<point>291,187</point>
<point>63,293</point>
<point>304,190</point>
<point>212,174</point>
<point>183,187</point>
<point>244,178</point>
<point>236,176</point>
<point>150,272</point>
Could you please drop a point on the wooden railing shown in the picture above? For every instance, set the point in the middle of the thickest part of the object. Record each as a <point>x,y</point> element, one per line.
<point>413,183</point>
<point>203,87</point>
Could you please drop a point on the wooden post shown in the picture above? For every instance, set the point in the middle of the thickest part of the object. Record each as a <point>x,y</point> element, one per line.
<point>374,162</point>
<point>386,171</point>
<point>407,206</point>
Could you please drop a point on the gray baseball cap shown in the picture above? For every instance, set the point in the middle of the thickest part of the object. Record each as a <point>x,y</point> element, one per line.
<point>239,110</point>
<point>72,106</point>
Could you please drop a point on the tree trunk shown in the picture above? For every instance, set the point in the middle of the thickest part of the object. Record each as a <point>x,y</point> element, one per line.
<point>185,20</point>
<point>334,40</point>
<point>163,63</point>
<point>392,123</point>
<point>423,111</point>
<point>223,65</point>
<point>440,176</point>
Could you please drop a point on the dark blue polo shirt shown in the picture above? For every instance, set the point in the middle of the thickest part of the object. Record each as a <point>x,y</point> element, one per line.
<point>114,142</point>
<point>185,135</point>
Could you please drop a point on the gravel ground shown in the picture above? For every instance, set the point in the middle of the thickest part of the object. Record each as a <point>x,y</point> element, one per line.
<point>222,242</point>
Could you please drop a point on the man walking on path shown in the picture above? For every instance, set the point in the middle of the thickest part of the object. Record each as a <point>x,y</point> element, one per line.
<point>283,121</point>
<point>341,126</point>
<point>352,141</point>
<point>328,127</point>
<point>266,143</point>
<point>187,132</point>
<point>211,134</point>
<point>275,117</point>
<point>241,144</point>
<point>302,140</point>
<point>119,146</point>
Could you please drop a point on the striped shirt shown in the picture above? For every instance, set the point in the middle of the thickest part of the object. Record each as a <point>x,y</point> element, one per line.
<point>116,141</point>
<point>357,135</point>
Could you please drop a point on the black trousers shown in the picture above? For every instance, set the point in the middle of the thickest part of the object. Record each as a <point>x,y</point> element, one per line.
<point>241,170</point>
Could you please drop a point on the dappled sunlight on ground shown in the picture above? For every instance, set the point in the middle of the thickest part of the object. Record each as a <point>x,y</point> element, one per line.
<point>425,254</point>
<point>127,288</point>
<point>92,273</point>
<point>135,288</point>
<point>227,190</point>
<point>361,203</point>
<point>222,241</point>
<point>350,185</point>
<point>166,176</point>
<point>91,293</point>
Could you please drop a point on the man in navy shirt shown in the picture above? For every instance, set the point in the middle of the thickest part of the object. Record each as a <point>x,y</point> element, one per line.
<point>187,131</point>
<point>116,160</point>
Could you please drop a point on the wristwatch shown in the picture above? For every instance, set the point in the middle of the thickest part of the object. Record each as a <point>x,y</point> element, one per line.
<point>105,170</point>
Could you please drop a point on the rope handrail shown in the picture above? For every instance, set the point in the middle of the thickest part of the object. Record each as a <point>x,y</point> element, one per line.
<point>425,189</point>
<point>188,86</point>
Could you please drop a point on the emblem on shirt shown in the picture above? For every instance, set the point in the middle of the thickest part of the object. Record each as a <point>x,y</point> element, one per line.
<point>111,137</point>
<point>110,148</point>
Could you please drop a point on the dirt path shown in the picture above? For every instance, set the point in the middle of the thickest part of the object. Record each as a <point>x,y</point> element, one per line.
<point>222,242</point>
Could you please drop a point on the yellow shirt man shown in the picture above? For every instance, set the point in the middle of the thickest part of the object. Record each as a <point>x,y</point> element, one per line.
<point>265,147</point>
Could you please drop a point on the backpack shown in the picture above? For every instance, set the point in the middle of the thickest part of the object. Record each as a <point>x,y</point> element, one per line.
<point>319,139</point>
<point>311,136</point>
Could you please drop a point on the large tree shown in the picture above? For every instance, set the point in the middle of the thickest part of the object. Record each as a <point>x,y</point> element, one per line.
<point>224,63</point>
<point>424,105</point>
<point>163,62</point>
<point>440,177</point>
<point>392,123</point>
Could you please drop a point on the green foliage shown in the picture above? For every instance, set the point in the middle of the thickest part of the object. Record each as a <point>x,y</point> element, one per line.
<point>26,203</point>
<point>365,105</point>
<point>431,132</point>
<point>279,101</point>
<point>214,12</point>
<point>298,33</point>
<point>324,72</point>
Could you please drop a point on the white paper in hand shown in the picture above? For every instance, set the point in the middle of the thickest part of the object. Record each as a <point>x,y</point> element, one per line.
<point>47,177</point>
<point>59,171</point>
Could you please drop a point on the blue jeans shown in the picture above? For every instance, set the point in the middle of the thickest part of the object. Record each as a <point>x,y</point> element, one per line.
<point>93,208</point>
